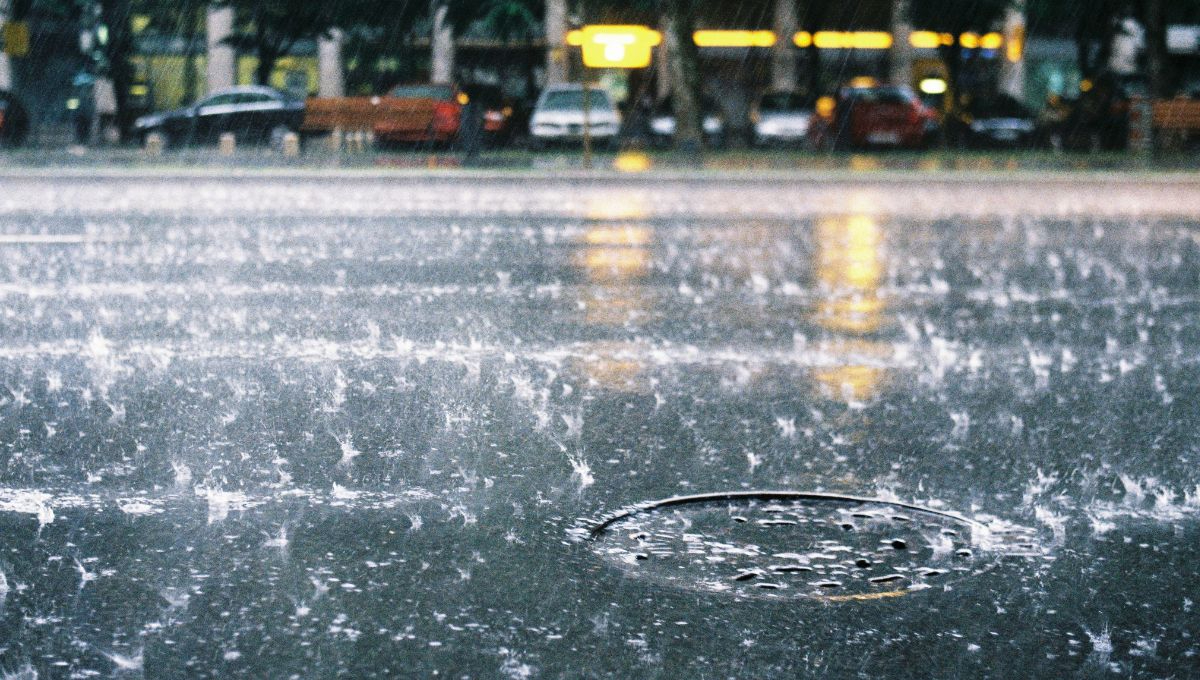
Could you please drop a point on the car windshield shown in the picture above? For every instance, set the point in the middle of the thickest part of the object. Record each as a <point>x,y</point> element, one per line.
<point>436,92</point>
<point>572,100</point>
<point>782,101</point>
<point>1001,107</point>
<point>883,95</point>
<point>708,106</point>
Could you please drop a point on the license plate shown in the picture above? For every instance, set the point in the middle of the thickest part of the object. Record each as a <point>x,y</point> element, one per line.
<point>1007,135</point>
<point>883,138</point>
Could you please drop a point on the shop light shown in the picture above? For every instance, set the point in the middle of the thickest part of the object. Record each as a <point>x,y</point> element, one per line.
<point>969,41</point>
<point>933,86</point>
<point>925,40</point>
<point>991,41</point>
<point>734,38</point>
<point>856,40</point>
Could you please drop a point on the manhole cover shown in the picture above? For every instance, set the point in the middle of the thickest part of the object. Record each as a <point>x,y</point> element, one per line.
<point>794,544</point>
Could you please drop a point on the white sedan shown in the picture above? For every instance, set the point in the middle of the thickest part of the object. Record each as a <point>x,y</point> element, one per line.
<point>559,116</point>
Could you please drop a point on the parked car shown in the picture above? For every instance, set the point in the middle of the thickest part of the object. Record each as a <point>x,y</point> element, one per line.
<point>1099,118</point>
<point>421,113</point>
<point>558,116</point>
<point>875,115</point>
<point>782,118</point>
<point>253,113</point>
<point>662,122</point>
<point>502,115</point>
<point>14,120</point>
<point>994,122</point>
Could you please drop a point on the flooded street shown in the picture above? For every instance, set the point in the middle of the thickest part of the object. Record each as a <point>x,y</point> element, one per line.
<point>368,424</point>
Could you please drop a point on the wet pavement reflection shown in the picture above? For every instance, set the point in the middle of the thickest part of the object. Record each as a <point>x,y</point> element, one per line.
<point>362,427</point>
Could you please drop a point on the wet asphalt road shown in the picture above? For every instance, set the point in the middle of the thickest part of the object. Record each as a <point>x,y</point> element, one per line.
<point>362,424</point>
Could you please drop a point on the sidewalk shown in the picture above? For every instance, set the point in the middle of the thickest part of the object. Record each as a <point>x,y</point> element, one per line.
<point>739,163</point>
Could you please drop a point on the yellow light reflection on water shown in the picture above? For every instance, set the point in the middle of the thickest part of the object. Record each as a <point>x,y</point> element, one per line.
<point>850,270</point>
<point>853,381</point>
<point>615,264</point>
<point>632,162</point>
<point>614,260</point>
<point>622,205</point>
<point>849,253</point>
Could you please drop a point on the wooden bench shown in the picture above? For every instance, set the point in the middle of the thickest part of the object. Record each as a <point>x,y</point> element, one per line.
<point>1177,122</point>
<point>344,113</point>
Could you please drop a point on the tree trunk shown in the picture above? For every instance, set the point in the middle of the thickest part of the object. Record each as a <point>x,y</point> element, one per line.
<point>191,78</point>
<point>557,55</point>
<point>685,74</point>
<point>1156,48</point>
<point>266,65</point>
<point>901,57</point>
<point>952,58</point>
<point>783,54</point>
<point>115,14</point>
<point>441,44</point>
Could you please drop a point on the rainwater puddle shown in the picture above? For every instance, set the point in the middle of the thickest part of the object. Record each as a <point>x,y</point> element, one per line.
<point>803,545</point>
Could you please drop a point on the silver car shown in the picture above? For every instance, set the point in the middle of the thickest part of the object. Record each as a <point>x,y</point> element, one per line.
<point>559,116</point>
<point>782,118</point>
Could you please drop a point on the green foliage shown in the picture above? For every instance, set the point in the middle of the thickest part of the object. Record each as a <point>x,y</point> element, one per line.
<point>501,19</point>
<point>957,16</point>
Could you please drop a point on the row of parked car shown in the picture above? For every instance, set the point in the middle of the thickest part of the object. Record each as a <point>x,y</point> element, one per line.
<point>861,115</point>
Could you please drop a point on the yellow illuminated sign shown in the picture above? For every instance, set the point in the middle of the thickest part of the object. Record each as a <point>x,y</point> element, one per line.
<point>16,38</point>
<point>734,38</point>
<point>844,40</point>
<point>615,46</point>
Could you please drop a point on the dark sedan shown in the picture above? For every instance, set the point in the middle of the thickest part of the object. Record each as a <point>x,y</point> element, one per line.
<point>14,120</point>
<point>251,113</point>
<point>998,122</point>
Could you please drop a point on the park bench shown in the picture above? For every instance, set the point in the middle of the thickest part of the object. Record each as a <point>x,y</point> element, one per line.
<point>1177,122</point>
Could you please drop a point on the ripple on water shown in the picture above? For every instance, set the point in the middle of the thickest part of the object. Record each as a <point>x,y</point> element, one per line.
<point>815,546</point>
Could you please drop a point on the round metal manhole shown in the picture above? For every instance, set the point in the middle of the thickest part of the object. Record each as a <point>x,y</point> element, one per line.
<point>799,545</point>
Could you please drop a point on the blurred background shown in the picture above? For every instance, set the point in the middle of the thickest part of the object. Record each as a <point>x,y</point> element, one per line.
<point>1014,73</point>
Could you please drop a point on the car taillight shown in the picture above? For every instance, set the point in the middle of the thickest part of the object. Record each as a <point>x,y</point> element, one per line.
<point>445,116</point>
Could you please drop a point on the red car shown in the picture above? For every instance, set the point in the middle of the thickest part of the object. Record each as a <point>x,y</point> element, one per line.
<point>421,113</point>
<point>876,116</point>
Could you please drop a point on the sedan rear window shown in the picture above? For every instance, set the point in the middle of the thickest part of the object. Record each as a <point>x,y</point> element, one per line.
<point>437,92</point>
<point>572,100</point>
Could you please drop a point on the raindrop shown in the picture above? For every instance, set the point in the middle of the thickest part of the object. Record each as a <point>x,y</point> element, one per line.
<point>886,579</point>
<point>790,568</point>
<point>862,563</point>
<point>899,544</point>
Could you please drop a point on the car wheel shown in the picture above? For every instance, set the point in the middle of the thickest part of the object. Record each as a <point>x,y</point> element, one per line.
<point>278,134</point>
